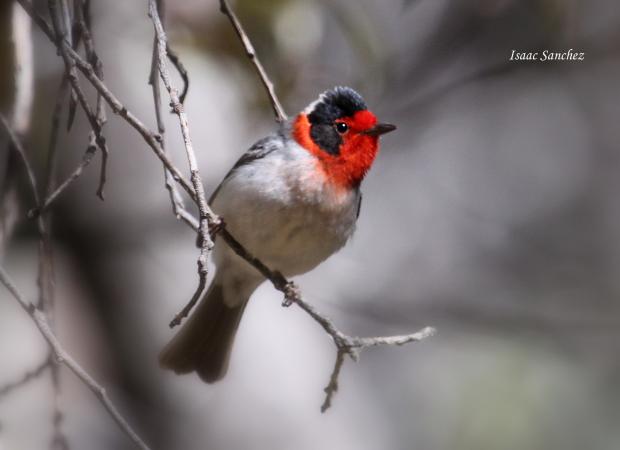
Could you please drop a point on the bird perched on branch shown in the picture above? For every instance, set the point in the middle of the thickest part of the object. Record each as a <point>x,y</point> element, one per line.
<point>292,200</point>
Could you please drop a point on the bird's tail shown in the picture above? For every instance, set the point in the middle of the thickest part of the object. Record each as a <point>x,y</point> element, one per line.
<point>206,339</point>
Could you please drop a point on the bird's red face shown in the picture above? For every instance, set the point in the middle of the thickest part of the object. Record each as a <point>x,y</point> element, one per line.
<point>342,134</point>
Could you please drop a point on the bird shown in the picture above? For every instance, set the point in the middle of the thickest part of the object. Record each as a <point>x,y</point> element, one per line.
<point>292,200</point>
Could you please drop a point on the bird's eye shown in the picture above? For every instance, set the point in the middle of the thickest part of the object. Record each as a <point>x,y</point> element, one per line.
<point>341,127</point>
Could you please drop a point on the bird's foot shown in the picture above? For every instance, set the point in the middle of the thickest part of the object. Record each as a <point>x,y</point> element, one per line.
<point>291,294</point>
<point>216,227</point>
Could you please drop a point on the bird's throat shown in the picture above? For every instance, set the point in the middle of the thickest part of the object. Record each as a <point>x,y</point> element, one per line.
<point>347,169</point>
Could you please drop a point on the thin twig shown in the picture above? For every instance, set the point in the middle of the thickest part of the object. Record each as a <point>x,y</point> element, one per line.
<point>46,272</point>
<point>63,357</point>
<point>45,279</point>
<point>251,53</point>
<point>59,439</point>
<point>206,217</point>
<point>44,249</point>
<point>332,386</point>
<point>17,147</point>
<point>26,378</point>
<point>178,206</point>
<point>151,138</point>
<point>52,147</point>
<point>82,11</point>
<point>352,346</point>
<point>74,40</point>
<point>176,62</point>
<point>63,46</point>
<point>41,320</point>
<point>86,160</point>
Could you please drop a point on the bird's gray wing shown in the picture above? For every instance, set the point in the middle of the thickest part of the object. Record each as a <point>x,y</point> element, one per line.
<point>259,150</point>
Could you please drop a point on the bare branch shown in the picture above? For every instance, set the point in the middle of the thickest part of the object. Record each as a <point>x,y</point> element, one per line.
<point>332,386</point>
<point>52,146</point>
<point>38,316</point>
<point>26,378</point>
<point>63,357</point>
<point>352,346</point>
<point>151,138</point>
<point>95,124</point>
<point>17,146</point>
<point>178,206</point>
<point>176,62</point>
<point>82,10</point>
<point>59,438</point>
<point>86,160</point>
<point>206,216</point>
<point>251,53</point>
<point>45,277</point>
<point>363,343</point>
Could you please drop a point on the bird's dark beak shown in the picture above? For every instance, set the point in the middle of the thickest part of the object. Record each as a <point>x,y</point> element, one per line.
<point>379,129</point>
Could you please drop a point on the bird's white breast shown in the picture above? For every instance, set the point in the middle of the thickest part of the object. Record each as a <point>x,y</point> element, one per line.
<point>283,209</point>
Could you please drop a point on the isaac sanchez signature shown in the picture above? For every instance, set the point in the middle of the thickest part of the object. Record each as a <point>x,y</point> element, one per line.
<point>547,55</point>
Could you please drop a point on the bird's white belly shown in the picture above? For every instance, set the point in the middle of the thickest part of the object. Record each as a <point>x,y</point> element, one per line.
<point>283,212</point>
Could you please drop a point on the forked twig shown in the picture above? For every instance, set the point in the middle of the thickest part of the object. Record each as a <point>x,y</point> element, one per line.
<point>178,206</point>
<point>86,160</point>
<point>352,346</point>
<point>82,21</point>
<point>94,118</point>
<point>206,217</point>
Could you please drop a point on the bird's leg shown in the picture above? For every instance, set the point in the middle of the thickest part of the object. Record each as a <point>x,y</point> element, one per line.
<point>216,227</point>
<point>291,294</point>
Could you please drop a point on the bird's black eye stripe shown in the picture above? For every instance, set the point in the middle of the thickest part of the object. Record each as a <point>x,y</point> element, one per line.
<point>341,127</point>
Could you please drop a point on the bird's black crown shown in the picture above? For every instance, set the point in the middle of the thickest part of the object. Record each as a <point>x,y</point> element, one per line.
<point>334,104</point>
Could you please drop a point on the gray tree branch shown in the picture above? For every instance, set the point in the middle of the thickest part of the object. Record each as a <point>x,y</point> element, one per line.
<point>44,323</point>
<point>62,357</point>
<point>205,215</point>
<point>251,54</point>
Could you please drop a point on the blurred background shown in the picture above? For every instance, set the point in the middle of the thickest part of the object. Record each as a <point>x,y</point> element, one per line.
<point>491,214</point>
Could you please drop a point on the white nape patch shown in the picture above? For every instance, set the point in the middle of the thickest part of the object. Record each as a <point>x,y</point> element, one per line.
<point>311,106</point>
